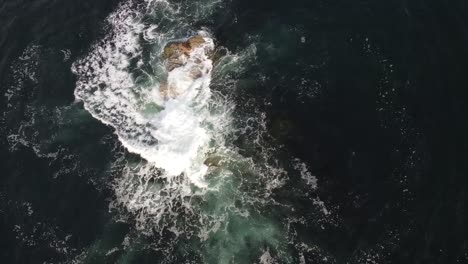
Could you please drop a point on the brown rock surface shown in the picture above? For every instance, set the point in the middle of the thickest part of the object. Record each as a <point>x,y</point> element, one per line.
<point>195,41</point>
<point>175,55</point>
<point>174,50</point>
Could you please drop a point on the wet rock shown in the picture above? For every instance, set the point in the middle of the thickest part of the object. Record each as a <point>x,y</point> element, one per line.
<point>213,161</point>
<point>175,50</point>
<point>176,54</point>
<point>218,54</point>
<point>196,41</point>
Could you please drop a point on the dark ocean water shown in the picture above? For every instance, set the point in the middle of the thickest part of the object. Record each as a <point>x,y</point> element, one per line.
<point>370,95</point>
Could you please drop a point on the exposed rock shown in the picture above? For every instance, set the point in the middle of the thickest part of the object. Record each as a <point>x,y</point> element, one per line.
<point>174,62</point>
<point>218,54</point>
<point>213,161</point>
<point>176,55</point>
<point>196,41</point>
<point>175,50</point>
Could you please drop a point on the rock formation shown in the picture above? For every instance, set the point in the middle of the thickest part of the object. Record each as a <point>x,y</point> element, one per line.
<point>176,54</point>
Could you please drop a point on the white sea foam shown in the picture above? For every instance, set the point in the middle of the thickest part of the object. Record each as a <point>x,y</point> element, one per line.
<point>179,128</point>
<point>170,133</point>
<point>119,84</point>
<point>306,175</point>
<point>170,189</point>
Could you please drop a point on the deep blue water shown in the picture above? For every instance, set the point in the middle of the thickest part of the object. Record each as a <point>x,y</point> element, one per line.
<point>369,94</point>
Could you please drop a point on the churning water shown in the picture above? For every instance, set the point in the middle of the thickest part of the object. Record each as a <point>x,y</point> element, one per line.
<point>192,181</point>
<point>110,154</point>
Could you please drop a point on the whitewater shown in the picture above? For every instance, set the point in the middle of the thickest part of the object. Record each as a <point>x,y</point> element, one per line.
<point>169,132</point>
<point>190,181</point>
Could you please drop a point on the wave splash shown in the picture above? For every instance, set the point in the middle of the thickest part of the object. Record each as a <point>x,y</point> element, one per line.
<point>170,132</point>
<point>168,116</point>
<point>192,180</point>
